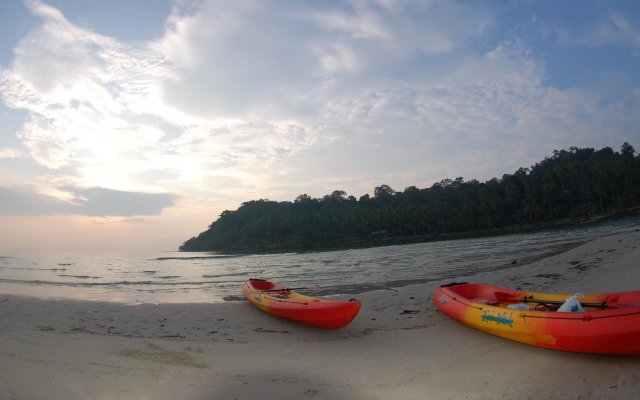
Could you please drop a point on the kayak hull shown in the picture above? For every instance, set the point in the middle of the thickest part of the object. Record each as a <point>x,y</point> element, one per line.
<point>609,324</point>
<point>277,300</point>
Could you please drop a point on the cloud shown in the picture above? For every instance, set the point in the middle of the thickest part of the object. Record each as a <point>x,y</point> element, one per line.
<point>85,201</point>
<point>79,88</point>
<point>241,100</point>
<point>271,59</point>
<point>24,202</point>
<point>100,201</point>
<point>10,153</point>
<point>612,28</point>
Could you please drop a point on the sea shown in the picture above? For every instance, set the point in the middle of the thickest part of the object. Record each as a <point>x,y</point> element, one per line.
<point>182,277</point>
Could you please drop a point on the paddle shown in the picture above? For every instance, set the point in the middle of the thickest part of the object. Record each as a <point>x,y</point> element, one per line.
<point>283,289</point>
<point>530,299</point>
<point>508,298</point>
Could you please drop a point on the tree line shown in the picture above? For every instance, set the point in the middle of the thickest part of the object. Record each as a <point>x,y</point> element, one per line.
<point>569,185</point>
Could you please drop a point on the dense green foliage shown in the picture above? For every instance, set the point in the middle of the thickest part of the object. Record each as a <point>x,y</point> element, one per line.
<point>569,185</point>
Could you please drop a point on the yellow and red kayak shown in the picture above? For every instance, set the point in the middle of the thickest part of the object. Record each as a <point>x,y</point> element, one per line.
<point>277,300</point>
<point>607,323</point>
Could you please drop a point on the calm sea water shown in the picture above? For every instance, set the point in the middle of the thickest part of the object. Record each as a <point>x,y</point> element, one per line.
<point>204,277</point>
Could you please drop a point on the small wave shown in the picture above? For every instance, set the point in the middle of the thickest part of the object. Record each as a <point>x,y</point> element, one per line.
<point>81,276</point>
<point>186,258</point>
<point>34,269</point>
<point>36,282</point>
<point>223,275</point>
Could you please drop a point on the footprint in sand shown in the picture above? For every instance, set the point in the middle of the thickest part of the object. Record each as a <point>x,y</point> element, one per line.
<point>153,352</point>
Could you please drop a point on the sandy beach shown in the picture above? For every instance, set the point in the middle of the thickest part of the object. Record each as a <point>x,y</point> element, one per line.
<point>399,346</point>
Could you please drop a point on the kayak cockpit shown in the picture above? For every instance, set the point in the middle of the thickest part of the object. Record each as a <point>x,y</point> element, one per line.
<point>264,285</point>
<point>519,300</point>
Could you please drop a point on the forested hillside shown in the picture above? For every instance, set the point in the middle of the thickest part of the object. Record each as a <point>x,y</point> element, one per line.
<point>566,186</point>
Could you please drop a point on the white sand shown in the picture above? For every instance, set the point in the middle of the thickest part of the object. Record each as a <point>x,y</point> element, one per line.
<point>399,347</point>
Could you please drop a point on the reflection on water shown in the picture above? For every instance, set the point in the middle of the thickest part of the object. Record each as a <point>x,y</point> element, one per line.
<point>204,277</point>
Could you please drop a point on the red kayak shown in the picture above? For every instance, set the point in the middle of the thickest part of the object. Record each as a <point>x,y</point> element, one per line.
<point>607,323</point>
<point>277,300</point>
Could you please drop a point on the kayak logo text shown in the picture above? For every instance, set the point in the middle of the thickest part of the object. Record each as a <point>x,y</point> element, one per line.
<point>501,318</point>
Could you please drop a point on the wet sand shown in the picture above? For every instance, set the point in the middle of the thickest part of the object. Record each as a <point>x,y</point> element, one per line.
<point>398,347</point>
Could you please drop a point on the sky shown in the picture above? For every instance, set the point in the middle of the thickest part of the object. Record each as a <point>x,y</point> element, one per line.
<point>131,125</point>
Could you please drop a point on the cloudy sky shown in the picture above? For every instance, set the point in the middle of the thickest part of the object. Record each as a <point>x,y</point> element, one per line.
<point>134,124</point>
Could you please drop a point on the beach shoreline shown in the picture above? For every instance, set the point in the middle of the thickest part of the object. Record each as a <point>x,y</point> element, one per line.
<point>398,347</point>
